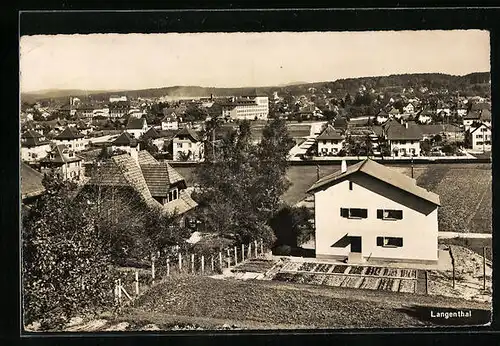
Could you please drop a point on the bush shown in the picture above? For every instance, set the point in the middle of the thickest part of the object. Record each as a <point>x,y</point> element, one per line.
<point>282,250</point>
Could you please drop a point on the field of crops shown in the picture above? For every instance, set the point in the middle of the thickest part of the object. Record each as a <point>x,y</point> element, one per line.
<point>364,277</point>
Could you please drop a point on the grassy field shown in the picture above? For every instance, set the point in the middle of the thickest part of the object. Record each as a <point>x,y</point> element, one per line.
<point>270,303</point>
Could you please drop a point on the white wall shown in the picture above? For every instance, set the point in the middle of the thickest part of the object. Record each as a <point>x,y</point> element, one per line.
<point>480,137</point>
<point>403,146</point>
<point>74,144</point>
<point>39,152</point>
<point>172,125</point>
<point>419,231</point>
<point>184,146</point>
<point>329,146</point>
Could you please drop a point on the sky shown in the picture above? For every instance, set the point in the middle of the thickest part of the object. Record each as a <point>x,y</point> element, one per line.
<point>139,61</point>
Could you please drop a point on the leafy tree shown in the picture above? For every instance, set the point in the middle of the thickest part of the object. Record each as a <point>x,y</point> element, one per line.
<point>291,226</point>
<point>65,257</point>
<point>425,146</point>
<point>147,144</point>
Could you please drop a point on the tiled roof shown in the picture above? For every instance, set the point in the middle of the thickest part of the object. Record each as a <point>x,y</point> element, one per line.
<point>145,158</point>
<point>125,139</point>
<point>181,205</point>
<point>480,106</point>
<point>400,132</point>
<point>69,133</point>
<point>31,182</point>
<point>382,173</point>
<point>61,152</point>
<point>482,124</point>
<point>330,133</point>
<point>160,177</point>
<point>485,115</point>
<point>472,115</point>
<point>135,123</point>
<point>32,138</point>
<point>188,132</point>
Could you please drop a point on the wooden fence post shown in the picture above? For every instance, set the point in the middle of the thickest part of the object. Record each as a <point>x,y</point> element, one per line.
<point>242,252</point>
<point>229,262</point>
<point>168,267</point>
<point>484,268</point>
<point>220,259</point>
<point>453,267</point>
<point>120,290</point>
<point>192,263</point>
<point>249,250</point>
<point>136,283</point>
<point>212,262</point>
<point>180,262</point>
<point>235,255</point>
<point>202,264</point>
<point>261,247</point>
<point>116,291</point>
<point>153,269</point>
<point>255,246</point>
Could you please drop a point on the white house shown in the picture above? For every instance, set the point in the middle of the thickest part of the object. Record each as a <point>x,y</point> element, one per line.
<point>369,211</point>
<point>382,117</point>
<point>72,138</point>
<point>403,140</point>
<point>170,120</point>
<point>248,107</point>
<point>115,98</point>
<point>409,108</point>
<point>136,126</point>
<point>187,146</point>
<point>64,162</point>
<point>480,138</point>
<point>476,117</point>
<point>34,146</point>
<point>329,142</point>
<point>124,142</point>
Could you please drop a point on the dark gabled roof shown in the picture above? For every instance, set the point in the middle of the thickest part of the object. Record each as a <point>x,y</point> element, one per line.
<point>402,133</point>
<point>135,123</point>
<point>152,133</point>
<point>472,115</point>
<point>31,182</point>
<point>69,132</point>
<point>145,158</point>
<point>61,152</point>
<point>481,125</point>
<point>160,177</point>
<point>188,132</point>
<point>330,133</point>
<point>434,129</point>
<point>479,106</point>
<point>382,173</point>
<point>340,122</point>
<point>32,138</point>
<point>125,139</point>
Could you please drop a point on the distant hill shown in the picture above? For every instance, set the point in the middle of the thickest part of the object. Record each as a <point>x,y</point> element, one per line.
<point>435,81</point>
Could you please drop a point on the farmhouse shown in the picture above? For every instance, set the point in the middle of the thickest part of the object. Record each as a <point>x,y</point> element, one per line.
<point>330,142</point>
<point>403,140</point>
<point>157,185</point>
<point>136,127</point>
<point>369,211</point>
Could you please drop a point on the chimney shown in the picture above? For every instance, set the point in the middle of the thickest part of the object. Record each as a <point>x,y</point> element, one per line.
<point>343,166</point>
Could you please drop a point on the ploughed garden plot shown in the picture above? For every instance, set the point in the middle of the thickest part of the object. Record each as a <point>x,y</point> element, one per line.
<point>350,276</point>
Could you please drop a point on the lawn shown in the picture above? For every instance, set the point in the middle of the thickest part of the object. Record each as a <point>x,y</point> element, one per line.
<point>278,303</point>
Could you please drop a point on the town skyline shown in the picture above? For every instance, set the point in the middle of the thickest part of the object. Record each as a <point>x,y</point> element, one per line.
<point>286,61</point>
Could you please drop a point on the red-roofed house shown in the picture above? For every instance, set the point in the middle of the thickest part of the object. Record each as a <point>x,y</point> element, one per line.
<point>370,212</point>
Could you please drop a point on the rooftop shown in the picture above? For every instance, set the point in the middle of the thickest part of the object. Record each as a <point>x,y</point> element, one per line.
<point>379,172</point>
<point>68,133</point>
<point>330,133</point>
<point>31,182</point>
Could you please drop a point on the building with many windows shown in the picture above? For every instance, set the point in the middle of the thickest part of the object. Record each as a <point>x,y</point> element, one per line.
<point>369,211</point>
<point>329,142</point>
<point>34,146</point>
<point>246,108</point>
<point>480,138</point>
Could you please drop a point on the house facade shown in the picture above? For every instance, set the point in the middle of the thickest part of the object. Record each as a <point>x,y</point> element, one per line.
<point>136,127</point>
<point>330,142</point>
<point>187,146</point>
<point>64,162</point>
<point>247,108</point>
<point>369,211</point>
<point>170,120</point>
<point>34,146</point>
<point>480,138</point>
<point>403,140</point>
<point>72,138</point>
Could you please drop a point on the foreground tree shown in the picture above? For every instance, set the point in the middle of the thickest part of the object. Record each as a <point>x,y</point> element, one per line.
<point>65,258</point>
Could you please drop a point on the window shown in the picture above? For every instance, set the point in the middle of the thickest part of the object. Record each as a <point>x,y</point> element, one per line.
<point>479,136</point>
<point>354,213</point>
<point>389,242</point>
<point>175,194</point>
<point>350,185</point>
<point>170,195</point>
<point>179,145</point>
<point>389,214</point>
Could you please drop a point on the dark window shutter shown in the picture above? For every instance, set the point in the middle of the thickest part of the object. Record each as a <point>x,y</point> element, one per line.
<point>364,213</point>
<point>344,212</point>
<point>401,215</point>
<point>380,241</point>
<point>400,242</point>
<point>380,214</point>
<point>350,185</point>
